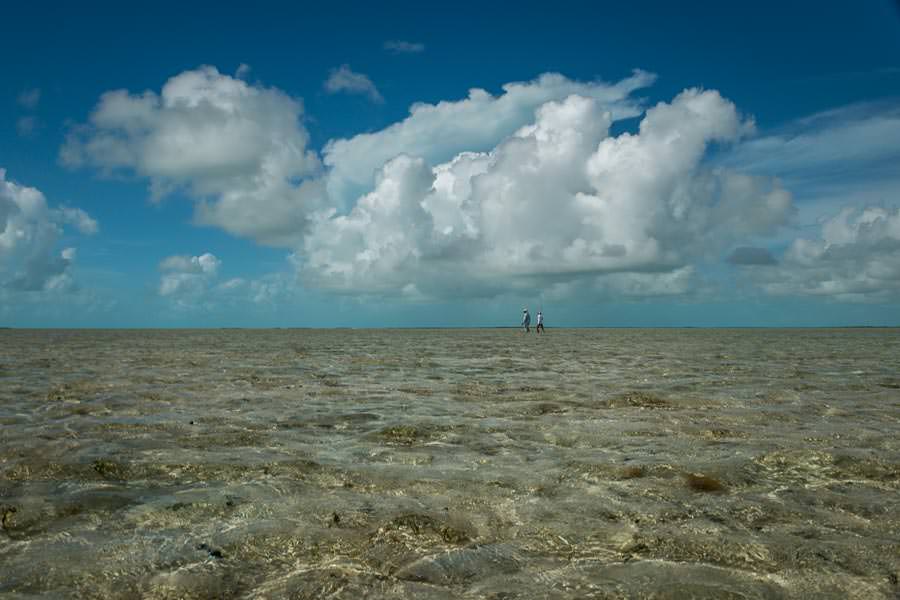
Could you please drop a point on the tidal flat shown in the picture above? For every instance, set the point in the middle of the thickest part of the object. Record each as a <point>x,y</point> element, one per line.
<point>437,464</point>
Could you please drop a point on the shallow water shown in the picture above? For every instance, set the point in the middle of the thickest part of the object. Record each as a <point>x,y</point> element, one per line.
<point>450,464</point>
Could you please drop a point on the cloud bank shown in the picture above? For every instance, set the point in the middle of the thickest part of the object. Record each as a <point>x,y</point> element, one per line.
<point>841,164</point>
<point>188,282</point>
<point>855,259</point>
<point>522,190</point>
<point>191,284</point>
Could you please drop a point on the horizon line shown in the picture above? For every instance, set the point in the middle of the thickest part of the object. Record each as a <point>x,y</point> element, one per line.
<point>441,327</point>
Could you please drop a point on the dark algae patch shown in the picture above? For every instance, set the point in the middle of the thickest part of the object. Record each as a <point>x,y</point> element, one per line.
<point>423,524</point>
<point>638,400</point>
<point>109,469</point>
<point>632,472</point>
<point>408,435</point>
<point>703,483</point>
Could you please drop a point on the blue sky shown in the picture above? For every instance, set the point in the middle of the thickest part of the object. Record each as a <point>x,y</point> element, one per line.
<point>391,164</point>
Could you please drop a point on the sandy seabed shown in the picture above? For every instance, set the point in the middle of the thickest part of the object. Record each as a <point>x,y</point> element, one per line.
<point>435,464</point>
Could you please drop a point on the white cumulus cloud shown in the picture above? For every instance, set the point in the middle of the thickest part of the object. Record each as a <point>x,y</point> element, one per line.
<point>239,149</point>
<point>29,234</point>
<point>438,132</point>
<point>559,200</point>
<point>344,79</point>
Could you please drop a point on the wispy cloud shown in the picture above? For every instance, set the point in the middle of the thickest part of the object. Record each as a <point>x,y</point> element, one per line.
<point>402,47</point>
<point>27,126</point>
<point>346,80</point>
<point>29,98</point>
<point>829,160</point>
<point>843,138</point>
<point>876,73</point>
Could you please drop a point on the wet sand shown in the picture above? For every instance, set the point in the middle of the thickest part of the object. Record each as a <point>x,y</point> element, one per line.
<point>435,464</point>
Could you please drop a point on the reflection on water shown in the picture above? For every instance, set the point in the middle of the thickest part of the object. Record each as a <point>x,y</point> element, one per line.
<point>450,463</point>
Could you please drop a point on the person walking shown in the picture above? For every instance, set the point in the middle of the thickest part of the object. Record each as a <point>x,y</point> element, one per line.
<point>526,320</point>
<point>540,323</point>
